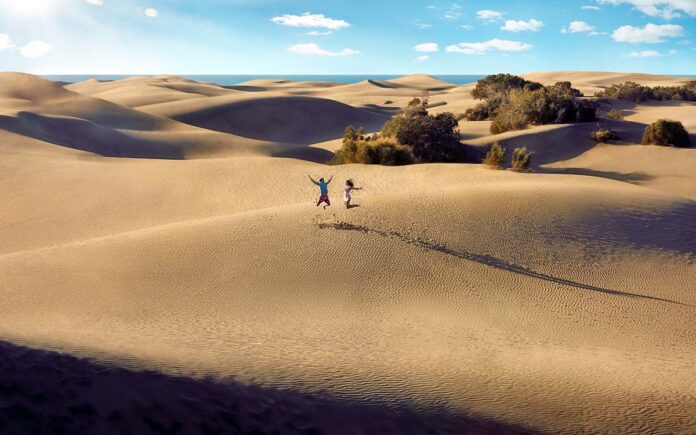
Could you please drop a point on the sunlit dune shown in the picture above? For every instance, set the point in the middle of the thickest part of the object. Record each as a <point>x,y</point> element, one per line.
<point>166,224</point>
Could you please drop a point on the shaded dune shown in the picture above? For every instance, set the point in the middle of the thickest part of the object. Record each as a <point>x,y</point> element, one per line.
<point>301,120</point>
<point>85,135</point>
<point>45,392</point>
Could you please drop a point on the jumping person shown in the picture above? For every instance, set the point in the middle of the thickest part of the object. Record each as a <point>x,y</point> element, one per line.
<point>346,193</point>
<point>323,190</point>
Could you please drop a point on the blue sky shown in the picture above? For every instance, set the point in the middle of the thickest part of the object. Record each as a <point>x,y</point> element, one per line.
<point>346,37</point>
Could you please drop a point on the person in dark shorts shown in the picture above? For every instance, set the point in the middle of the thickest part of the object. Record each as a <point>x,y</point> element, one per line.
<point>323,190</point>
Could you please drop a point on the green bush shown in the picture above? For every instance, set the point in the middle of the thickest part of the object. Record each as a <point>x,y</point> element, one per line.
<point>480,112</point>
<point>495,156</point>
<point>604,135</point>
<point>373,151</point>
<point>512,103</point>
<point>615,114</point>
<point>667,133</point>
<point>431,138</point>
<point>521,159</point>
<point>632,91</point>
<point>410,137</point>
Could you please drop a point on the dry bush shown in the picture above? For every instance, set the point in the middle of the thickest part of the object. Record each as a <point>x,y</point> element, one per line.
<point>521,159</point>
<point>604,135</point>
<point>495,156</point>
<point>666,132</point>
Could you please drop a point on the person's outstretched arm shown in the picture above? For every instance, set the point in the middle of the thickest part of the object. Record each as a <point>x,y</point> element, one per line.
<point>330,178</point>
<point>312,180</point>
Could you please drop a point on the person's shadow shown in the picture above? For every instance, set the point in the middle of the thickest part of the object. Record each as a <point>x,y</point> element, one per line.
<point>353,206</point>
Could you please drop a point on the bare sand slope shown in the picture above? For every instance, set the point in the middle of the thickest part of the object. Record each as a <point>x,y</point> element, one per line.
<point>512,296</point>
<point>560,301</point>
<point>293,119</point>
<point>590,82</point>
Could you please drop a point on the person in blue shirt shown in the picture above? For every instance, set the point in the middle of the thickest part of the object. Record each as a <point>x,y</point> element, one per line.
<point>323,190</point>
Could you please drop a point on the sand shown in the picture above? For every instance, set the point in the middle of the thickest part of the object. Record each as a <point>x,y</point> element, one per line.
<point>557,301</point>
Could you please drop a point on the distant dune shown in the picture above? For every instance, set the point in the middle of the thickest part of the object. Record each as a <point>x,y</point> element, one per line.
<point>556,301</point>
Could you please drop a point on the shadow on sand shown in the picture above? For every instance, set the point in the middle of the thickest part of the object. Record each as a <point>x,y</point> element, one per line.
<point>487,260</point>
<point>630,177</point>
<point>44,392</point>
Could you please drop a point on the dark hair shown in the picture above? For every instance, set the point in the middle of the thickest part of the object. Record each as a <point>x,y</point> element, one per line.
<point>321,180</point>
<point>350,183</point>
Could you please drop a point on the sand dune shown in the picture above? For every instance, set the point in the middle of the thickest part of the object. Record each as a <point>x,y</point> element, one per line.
<point>293,119</point>
<point>558,301</point>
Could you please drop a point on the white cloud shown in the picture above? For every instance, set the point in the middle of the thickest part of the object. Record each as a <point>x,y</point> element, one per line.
<point>590,8</point>
<point>318,33</point>
<point>35,49</point>
<point>466,27</point>
<point>313,49</point>
<point>453,12</point>
<point>484,47</point>
<point>650,34</point>
<point>522,26</point>
<point>310,20</point>
<point>95,2</point>
<point>421,25</point>
<point>5,42</point>
<point>578,27</point>
<point>666,9</point>
<point>644,53</point>
<point>422,58</point>
<point>489,16</point>
<point>151,12</point>
<point>597,33</point>
<point>426,47</point>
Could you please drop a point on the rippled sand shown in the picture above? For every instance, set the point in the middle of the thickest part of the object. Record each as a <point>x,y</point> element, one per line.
<point>560,301</point>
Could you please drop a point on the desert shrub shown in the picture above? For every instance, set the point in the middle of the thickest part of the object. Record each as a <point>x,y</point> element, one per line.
<point>630,91</point>
<point>431,138</point>
<point>587,112</point>
<point>667,133</point>
<point>615,114</point>
<point>604,135</point>
<point>512,103</point>
<point>537,107</point>
<point>634,92</point>
<point>686,92</point>
<point>495,89</point>
<point>521,159</point>
<point>565,90</point>
<point>495,156</point>
<point>480,112</point>
<point>374,151</point>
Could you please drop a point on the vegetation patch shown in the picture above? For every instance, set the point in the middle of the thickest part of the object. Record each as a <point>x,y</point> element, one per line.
<point>666,132</point>
<point>521,159</point>
<point>513,103</point>
<point>495,158</point>
<point>604,135</point>
<point>414,136</point>
<point>632,91</point>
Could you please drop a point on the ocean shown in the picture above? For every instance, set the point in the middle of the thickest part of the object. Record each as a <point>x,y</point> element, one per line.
<point>228,80</point>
